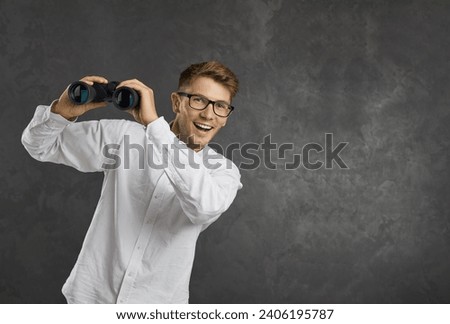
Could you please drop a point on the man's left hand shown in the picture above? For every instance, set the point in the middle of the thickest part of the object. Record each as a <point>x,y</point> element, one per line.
<point>145,112</point>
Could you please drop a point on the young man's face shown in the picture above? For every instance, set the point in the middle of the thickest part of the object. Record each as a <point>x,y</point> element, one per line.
<point>197,127</point>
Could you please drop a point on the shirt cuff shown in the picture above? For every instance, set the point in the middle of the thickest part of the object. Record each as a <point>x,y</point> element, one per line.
<point>157,127</point>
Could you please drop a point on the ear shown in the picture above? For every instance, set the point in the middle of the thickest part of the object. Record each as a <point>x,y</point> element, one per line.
<point>176,102</point>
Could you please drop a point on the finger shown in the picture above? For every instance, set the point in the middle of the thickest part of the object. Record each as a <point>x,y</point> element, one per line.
<point>94,78</point>
<point>136,115</point>
<point>141,88</point>
<point>124,82</point>
<point>132,83</point>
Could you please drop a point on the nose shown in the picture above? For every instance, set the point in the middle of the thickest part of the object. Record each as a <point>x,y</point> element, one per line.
<point>208,112</point>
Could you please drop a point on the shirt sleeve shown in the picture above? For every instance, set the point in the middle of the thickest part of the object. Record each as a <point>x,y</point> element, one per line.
<point>205,189</point>
<point>50,137</point>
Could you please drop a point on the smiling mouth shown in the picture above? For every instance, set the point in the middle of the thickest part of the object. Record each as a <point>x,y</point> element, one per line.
<point>203,127</point>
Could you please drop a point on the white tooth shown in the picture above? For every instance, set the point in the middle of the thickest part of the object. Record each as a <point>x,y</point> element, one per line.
<point>203,126</point>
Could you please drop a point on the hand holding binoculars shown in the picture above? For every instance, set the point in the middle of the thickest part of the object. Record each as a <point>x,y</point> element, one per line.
<point>123,98</point>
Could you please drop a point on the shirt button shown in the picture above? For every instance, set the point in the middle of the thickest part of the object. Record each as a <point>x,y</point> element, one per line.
<point>156,197</point>
<point>130,274</point>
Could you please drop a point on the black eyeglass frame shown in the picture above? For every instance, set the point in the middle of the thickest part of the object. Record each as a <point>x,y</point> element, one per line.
<point>189,95</point>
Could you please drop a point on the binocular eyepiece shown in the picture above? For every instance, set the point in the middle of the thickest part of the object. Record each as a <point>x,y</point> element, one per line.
<point>123,98</point>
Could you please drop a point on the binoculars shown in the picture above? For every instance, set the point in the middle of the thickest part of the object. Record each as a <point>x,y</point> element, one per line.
<point>123,98</point>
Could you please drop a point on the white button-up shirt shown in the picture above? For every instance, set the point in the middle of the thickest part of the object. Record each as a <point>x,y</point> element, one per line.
<point>157,196</point>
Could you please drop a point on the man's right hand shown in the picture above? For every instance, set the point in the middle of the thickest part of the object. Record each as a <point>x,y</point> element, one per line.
<point>66,108</point>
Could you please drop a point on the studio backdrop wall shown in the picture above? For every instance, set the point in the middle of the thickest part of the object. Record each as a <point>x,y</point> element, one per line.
<point>356,91</point>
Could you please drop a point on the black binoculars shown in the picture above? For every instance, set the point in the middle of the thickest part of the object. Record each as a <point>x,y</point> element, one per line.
<point>123,98</point>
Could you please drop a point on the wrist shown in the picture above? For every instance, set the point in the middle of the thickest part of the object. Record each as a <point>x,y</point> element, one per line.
<point>54,109</point>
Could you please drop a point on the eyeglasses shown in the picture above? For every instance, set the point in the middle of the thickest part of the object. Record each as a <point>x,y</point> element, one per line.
<point>198,102</point>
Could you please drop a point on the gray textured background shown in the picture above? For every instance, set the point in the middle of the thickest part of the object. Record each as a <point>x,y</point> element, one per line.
<point>375,74</point>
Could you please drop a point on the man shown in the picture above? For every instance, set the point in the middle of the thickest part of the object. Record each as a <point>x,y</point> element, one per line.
<point>140,245</point>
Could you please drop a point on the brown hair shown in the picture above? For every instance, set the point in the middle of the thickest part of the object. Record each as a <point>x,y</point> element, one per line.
<point>211,69</point>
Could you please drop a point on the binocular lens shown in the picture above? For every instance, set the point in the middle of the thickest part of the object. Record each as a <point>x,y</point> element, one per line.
<point>125,98</point>
<point>79,93</point>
